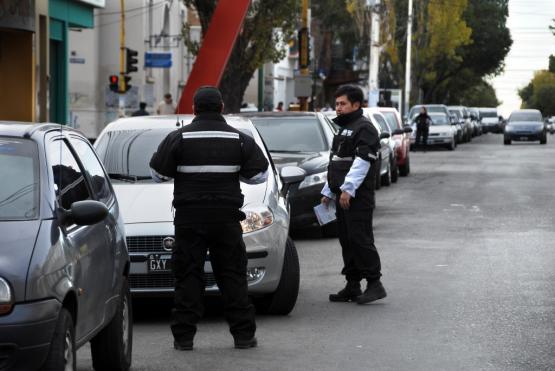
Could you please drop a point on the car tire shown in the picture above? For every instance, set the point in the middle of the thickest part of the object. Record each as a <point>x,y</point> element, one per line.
<point>451,146</point>
<point>330,230</point>
<point>112,347</point>
<point>386,178</point>
<point>543,139</point>
<point>506,141</point>
<point>62,348</point>
<point>394,170</point>
<point>405,169</point>
<point>283,300</point>
<point>378,183</point>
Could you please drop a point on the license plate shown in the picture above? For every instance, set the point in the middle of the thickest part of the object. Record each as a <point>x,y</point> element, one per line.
<point>159,263</point>
<point>523,138</point>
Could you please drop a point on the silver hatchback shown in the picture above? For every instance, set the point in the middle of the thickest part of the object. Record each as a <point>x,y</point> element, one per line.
<point>126,146</point>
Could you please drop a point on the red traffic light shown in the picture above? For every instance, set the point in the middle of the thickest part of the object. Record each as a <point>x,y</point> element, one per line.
<point>114,83</point>
<point>114,79</point>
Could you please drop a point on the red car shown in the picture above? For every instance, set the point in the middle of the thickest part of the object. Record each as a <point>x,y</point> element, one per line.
<point>402,140</point>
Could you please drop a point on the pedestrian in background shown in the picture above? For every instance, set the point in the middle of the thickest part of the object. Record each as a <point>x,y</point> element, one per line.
<point>166,107</point>
<point>422,128</point>
<point>141,111</point>
<point>279,107</point>
<point>207,159</point>
<point>351,178</point>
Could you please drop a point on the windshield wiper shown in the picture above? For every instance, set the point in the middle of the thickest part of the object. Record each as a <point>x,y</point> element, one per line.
<point>128,177</point>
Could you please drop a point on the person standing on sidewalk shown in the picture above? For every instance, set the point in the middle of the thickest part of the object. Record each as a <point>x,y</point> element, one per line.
<point>207,159</point>
<point>422,128</point>
<point>351,178</point>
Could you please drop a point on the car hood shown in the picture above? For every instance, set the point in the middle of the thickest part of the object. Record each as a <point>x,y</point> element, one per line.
<point>311,162</point>
<point>16,249</point>
<point>440,128</point>
<point>152,202</point>
<point>525,124</point>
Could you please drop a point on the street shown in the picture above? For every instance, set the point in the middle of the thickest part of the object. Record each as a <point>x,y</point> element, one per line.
<point>466,243</point>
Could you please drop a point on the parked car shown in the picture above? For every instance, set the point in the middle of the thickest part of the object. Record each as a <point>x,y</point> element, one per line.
<point>490,120</point>
<point>442,131</point>
<point>303,139</point>
<point>386,159</point>
<point>525,125</point>
<point>63,259</point>
<point>126,147</point>
<point>401,137</point>
<point>475,120</point>
<point>464,119</point>
<point>551,125</point>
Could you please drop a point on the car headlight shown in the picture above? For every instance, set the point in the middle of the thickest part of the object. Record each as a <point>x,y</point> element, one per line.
<point>314,179</point>
<point>258,217</point>
<point>6,297</point>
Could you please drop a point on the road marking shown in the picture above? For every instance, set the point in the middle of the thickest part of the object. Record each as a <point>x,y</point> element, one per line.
<point>441,265</point>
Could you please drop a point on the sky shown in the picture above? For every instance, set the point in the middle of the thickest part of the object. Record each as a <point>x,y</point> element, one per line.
<point>533,42</point>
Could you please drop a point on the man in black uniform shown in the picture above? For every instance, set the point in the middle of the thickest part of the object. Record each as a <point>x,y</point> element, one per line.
<point>351,178</point>
<point>422,128</point>
<point>207,159</point>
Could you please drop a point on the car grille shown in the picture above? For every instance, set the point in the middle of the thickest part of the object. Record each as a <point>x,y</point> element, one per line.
<point>146,244</point>
<point>162,280</point>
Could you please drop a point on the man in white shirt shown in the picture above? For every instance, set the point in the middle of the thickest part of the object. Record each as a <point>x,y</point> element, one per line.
<point>166,107</point>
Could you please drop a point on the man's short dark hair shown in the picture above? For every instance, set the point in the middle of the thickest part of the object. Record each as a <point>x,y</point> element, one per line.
<point>352,92</point>
<point>208,99</point>
<point>167,95</point>
<point>142,105</point>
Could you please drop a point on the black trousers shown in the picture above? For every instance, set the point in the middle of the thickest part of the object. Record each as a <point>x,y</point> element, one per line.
<point>228,257</point>
<point>422,136</point>
<point>360,257</point>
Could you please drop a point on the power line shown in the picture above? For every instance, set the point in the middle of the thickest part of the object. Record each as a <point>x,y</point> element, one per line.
<point>128,17</point>
<point>99,14</point>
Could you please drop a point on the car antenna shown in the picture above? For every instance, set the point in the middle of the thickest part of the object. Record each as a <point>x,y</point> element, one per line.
<point>178,124</point>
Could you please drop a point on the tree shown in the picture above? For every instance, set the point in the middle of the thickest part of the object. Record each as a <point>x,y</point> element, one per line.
<point>481,94</point>
<point>268,27</point>
<point>539,93</point>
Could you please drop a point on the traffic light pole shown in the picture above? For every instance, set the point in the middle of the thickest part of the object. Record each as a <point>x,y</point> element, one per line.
<point>122,81</point>
<point>304,52</point>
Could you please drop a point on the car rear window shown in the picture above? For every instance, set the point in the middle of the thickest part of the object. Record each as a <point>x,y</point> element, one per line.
<point>291,134</point>
<point>392,120</point>
<point>19,171</point>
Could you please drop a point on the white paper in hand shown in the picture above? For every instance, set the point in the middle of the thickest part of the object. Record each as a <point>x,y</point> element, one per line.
<point>325,214</point>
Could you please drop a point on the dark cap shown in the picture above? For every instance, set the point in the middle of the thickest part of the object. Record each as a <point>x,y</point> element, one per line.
<point>207,99</point>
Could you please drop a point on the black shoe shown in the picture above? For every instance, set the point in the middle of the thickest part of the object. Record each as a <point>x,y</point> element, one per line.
<point>183,345</point>
<point>374,291</point>
<point>349,293</point>
<point>246,344</point>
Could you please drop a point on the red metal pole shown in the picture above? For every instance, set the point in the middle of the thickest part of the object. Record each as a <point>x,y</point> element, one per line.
<point>216,48</point>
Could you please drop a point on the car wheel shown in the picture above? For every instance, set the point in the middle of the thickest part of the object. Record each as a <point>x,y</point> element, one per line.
<point>62,348</point>
<point>111,348</point>
<point>506,141</point>
<point>451,146</point>
<point>386,178</point>
<point>330,230</point>
<point>405,169</point>
<point>394,170</point>
<point>378,183</point>
<point>543,139</point>
<point>283,300</point>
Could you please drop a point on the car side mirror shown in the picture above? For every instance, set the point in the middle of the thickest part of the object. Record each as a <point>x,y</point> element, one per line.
<point>86,212</point>
<point>289,176</point>
<point>407,129</point>
<point>384,135</point>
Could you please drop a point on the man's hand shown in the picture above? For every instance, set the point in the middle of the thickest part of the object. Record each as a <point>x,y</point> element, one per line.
<point>325,200</point>
<point>345,200</point>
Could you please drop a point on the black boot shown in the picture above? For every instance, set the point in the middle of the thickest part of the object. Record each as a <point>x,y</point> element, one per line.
<point>246,344</point>
<point>349,293</point>
<point>374,291</point>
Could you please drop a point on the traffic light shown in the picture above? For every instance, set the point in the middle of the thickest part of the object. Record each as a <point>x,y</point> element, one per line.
<point>126,84</point>
<point>114,80</point>
<point>131,60</point>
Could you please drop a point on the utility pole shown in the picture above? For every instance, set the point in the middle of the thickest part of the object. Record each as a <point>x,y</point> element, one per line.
<point>122,82</point>
<point>166,44</point>
<point>408,61</point>
<point>374,62</point>
<point>304,51</point>
<point>150,34</point>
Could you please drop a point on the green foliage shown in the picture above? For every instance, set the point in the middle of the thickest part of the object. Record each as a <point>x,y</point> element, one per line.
<point>481,94</point>
<point>257,44</point>
<point>539,93</point>
<point>552,63</point>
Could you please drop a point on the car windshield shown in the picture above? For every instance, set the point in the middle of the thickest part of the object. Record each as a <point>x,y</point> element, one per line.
<point>415,111</point>
<point>438,119</point>
<point>525,116</point>
<point>291,134</point>
<point>391,120</point>
<point>19,193</point>
<point>488,114</point>
<point>456,113</point>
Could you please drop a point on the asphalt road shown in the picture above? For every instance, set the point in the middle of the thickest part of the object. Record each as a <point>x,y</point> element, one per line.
<point>467,243</point>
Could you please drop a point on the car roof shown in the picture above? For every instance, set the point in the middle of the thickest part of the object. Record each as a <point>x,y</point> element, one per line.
<point>169,121</point>
<point>526,111</point>
<point>28,129</point>
<point>280,114</point>
<point>388,109</point>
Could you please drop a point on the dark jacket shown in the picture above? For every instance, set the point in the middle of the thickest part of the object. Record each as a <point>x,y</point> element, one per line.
<point>206,160</point>
<point>422,121</point>
<point>356,138</point>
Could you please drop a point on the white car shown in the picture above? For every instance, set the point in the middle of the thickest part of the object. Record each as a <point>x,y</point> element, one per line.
<point>126,147</point>
<point>442,131</point>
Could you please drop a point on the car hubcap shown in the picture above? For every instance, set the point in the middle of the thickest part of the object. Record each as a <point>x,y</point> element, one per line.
<point>125,325</point>
<point>68,351</point>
